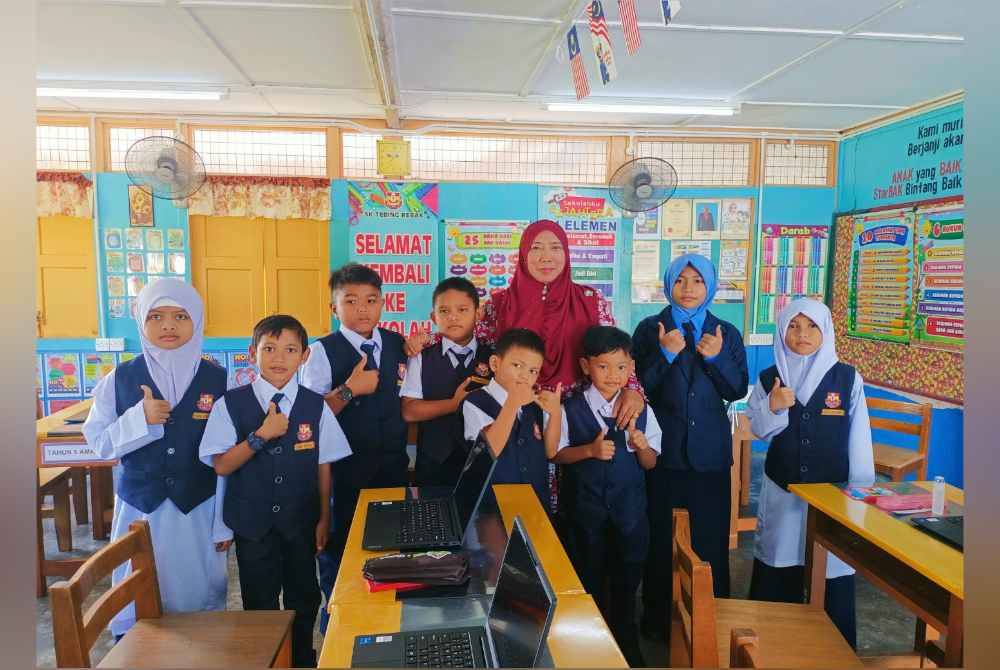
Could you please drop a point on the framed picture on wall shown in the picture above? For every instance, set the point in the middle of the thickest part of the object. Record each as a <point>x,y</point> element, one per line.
<point>705,219</point>
<point>140,207</point>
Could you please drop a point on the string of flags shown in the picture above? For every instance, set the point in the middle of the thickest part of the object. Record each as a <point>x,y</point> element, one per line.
<point>600,39</point>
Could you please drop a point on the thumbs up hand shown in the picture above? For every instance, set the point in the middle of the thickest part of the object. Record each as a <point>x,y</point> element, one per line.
<point>671,340</point>
<point>710,345</point>
<point>780,397</point>
<point>361,381</point>
<point>157,411</point>
<point>636,437</point>
<point>275,424</point>
<point>600,448</point>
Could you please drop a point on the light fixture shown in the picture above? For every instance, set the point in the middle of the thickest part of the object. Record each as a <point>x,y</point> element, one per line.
<point>164,94</point>
<point>692,110</point>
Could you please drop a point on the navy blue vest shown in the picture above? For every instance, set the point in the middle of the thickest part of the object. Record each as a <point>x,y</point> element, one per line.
<point>439,437</point>
<point>612,490</point>
<point>279,486</point>
<point>169,467</point>
<point>813,448</point>
<point>522,460</point>
<point>373,423</point>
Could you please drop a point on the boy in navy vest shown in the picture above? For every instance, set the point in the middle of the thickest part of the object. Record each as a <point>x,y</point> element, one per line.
<point>512,417</point>
<point>274,440</point>
<point>359,370</point>
<point>812,410</point>
<point>439,378</point>
<point>606,482</point>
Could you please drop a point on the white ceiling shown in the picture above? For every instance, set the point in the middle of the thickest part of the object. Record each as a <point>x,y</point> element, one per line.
<point>798,64</point>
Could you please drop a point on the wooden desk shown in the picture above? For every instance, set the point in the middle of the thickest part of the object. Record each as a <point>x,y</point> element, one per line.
<point>53,430</point>
<point>578,636</point>
<point>739,480</point>
<point>922,573</point>
<point>512,500</point>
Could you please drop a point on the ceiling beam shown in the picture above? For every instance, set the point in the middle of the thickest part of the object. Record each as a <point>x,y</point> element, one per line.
<point>573,9</point>
<point>379,43</point>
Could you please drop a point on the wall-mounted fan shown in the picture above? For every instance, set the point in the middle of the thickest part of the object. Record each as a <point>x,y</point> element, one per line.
<point>643,184</point>
<point>165,167</point>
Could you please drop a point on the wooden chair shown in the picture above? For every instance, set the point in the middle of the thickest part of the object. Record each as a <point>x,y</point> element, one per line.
<point>54,482</point>
<point>791,635</point>
<point>197,639</point>
<point>897,462</point>
<point>743,651</point>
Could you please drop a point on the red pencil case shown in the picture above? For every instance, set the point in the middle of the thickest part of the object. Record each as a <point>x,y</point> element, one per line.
<point>374,587</point>
<point>904,502</point>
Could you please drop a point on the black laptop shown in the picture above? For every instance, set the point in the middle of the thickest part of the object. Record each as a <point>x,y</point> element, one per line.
<point>948,529</point>
<point>432,523</point>
<point>512,637</point>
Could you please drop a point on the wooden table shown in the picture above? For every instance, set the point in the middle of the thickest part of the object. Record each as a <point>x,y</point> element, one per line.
<point>53,431</point>
<point>922,573</point>
<point>578,636</point>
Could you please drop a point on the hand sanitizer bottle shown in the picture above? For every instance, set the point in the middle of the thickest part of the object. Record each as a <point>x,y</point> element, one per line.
<point>937,496</point>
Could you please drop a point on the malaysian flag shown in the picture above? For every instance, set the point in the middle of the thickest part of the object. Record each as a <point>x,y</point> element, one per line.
<point>630,24</point>
<point>601,40</point>
<point>576,65</point>
<point>670,9</point>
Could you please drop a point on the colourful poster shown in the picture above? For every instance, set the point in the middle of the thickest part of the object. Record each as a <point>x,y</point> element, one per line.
<point>393,230</point>
<point>645,225</point>
<point>241,370</point>
<point>115,261</point>
<point>154,240</point>
<point>62,375</point>
<point>140,207</point>
<point>95,367</point>
<point>733,259</point>
<point>591,222</point>
<point>880,293</point>
<point>175,239</point>
<point>126,356</point>
<point>679,248</point>
<point>940,278</point>
<point>113,238</point>
<point>217,357</point>
<point>647,284</point>
<point>736,219</point>
<point>705,219</point>
<point>485,252</point>
<point>792,262</point>
<point>675,215</point>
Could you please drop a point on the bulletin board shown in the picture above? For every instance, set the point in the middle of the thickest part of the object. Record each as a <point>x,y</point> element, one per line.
<point>921,351</point>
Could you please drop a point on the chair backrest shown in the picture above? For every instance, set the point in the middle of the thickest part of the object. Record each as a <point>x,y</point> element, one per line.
<point>74,630</point>
<point>922,429</point>
<point>743,649</point>
<point>692,633</point>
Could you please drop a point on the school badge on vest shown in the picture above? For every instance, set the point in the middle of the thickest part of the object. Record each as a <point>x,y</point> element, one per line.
<point>481,375</point>
<point>833,400</point>
<point>204,405</point>
<point>304,437</point>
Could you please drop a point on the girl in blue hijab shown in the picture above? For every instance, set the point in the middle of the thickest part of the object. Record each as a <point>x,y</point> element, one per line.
<point>690,364</point>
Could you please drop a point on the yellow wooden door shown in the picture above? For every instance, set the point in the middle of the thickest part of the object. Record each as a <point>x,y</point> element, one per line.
<point>296,266</point>
<point>227,268</point>
<point>66,277</point>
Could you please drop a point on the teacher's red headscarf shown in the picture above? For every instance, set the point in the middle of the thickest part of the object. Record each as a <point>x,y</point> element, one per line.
<point>560,319</point>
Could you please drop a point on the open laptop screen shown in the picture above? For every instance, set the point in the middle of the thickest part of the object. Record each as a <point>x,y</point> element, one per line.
<point>522,606</point>
<point>472,482</point>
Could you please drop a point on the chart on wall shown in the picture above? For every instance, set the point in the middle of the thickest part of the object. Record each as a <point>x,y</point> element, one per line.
<point>880,290</point>
<point>484,252</point>
<point>393,230</point>
<point>940,278</point>
<point>592,223</point>
<point>792,263</point>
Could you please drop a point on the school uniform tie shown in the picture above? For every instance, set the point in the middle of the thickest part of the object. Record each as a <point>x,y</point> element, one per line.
<point>689,344</point>
<point>369,349</point>
<point>276,399</point>
<point>461,355</point>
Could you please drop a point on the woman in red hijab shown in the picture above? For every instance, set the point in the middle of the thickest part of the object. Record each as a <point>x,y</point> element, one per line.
<point>543,298</point>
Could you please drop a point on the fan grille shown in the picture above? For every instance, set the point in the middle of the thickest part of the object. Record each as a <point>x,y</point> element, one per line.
<point>643,184</point>
<point>165,167</point>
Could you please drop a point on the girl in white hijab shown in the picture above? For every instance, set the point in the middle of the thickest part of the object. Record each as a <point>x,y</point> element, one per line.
<point>150,413</point>
<point>811,408</point>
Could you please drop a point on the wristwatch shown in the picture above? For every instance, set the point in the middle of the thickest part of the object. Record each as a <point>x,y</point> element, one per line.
<point>345,393</point>
<point>255,441</point>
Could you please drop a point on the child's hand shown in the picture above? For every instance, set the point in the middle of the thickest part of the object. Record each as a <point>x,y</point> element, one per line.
<point>601,449</point>
<point>275,424</point>
<point>710,345</point>
<point>780,397</point>
<point>415,344</point>
<point>157,411</point>
<point>461,392</point>
<point>361,381</point>
<point>322,533</point>
<point>223,546</point>
<point>550,400</point>
<point>672,341</point>
<point>521,395</point>
<point>636,437</point>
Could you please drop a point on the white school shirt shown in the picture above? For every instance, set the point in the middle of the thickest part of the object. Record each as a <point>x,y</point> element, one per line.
<point>780,539</point>
<point>317,372</point>
<point>220,434</point>
<point>191,573</point>
<point>413,385</point>
<point>602,409</point>
<point>476,419</point>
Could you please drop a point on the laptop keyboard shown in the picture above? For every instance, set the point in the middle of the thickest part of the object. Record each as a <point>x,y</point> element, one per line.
<point>439,650</point>
<point>423,522</point>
